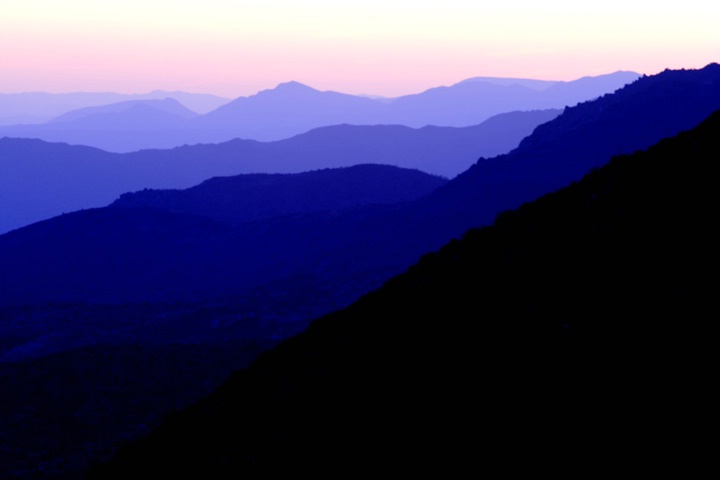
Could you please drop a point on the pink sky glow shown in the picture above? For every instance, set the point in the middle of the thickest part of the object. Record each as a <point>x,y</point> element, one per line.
<point>234,48</point>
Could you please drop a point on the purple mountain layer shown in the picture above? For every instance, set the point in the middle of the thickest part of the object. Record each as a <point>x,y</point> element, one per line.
<point>292,108</point>
<point>40,107</point>
<point>39,180</point>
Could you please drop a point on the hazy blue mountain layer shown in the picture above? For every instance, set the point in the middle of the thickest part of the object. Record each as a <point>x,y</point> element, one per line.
<point>40,180</point>
<point>293,108</point>
<point>41,107</point>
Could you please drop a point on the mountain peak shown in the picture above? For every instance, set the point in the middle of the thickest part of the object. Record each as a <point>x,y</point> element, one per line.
<point>293,86</point>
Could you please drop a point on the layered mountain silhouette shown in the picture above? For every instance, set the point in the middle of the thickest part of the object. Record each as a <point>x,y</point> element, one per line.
<point>571,331</point>
<point>41,107</point>
<point>469,100</point>
<point>91,117</point>
<point>140,240</point>
<point>116,127</point>
<point>293,108</point>
<point>265,115</point>
<point>582,138</point>
<point>209,271</point>
<point>39,180</point>
<point>119,255</point>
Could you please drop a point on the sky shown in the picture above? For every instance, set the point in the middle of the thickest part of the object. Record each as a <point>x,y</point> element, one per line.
<point>380,47</point>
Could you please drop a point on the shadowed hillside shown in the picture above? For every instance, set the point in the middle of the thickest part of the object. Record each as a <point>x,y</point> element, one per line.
<point>153,243</point>
<point>556,336</point>
<point>244,198</point>
<point>61,410</point>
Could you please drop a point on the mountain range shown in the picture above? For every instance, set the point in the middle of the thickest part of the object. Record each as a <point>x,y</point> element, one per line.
<point>292,108</point>
<point>39,180</point>
<point>509,333</point>
<point>184,256</point>
<point>41,107</point>
<point>107,116</point>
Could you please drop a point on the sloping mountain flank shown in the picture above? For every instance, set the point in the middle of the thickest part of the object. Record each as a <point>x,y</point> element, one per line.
<point>583,137</point>
<point>570,332</point>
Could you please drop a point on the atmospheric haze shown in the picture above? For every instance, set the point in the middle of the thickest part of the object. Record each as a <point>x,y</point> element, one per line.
<point>387,48</point>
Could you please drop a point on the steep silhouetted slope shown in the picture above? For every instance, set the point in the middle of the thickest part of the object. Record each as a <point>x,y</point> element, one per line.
<point>571,332</point>
<point>583,137</point>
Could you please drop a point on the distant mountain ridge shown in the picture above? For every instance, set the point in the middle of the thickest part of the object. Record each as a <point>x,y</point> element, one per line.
<point>39,180</point>
<point>40,107</point>
<point>292,108</point>
<point>465,101</point>
<point>601,82</point>
<point>169,105</point>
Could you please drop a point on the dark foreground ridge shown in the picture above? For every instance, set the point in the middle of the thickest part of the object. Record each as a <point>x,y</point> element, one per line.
<point>570,332</point>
